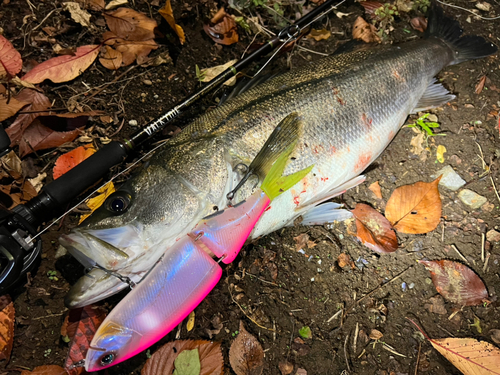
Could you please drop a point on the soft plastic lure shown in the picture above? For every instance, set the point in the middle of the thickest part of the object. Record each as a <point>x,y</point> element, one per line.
<point>187,273</point>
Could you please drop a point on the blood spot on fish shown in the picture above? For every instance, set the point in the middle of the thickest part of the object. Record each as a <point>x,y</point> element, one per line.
<point>367,121</point>
<point>337,96</point>
<point>324,179</point>
<point>363,161</point>
<point>267,209</point>
<point>391,135</point>
<point>296,198</point>
<point>396,75</point>
<point>333,150</point>
<point>316,149</point>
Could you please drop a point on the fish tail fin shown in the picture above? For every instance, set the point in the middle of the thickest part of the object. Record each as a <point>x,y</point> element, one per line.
<point>449,30</point>
<point>273,157</point>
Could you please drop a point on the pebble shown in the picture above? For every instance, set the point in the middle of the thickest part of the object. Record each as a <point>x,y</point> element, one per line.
<point>471,199</point>
<point>133,123</point>
<point>450,180</point>
<point>61,251</point>
<point>147,82</point>
<point>493,236</point>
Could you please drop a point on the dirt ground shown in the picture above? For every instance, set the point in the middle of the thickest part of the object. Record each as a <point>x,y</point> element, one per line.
<point>273,284</point>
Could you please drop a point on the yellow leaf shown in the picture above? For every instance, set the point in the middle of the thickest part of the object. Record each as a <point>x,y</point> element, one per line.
<point>167,13</point>
<point>190,322</point>
<point>96,202</point>
<point>318,35</point>
<point>211,73</point>
<point>440,153</point>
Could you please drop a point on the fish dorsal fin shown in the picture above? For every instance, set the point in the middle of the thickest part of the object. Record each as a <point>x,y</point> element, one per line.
<point>434,96</point>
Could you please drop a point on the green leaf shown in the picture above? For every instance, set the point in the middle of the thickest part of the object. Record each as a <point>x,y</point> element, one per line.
<point>187,363</point>
<point>305,332</point>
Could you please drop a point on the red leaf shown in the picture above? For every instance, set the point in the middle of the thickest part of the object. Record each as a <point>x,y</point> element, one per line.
<point>63,68</point>
<point>456,282</point>
<point>70,159</point>
<point>10,58</point>
<point>374,230</point>
<point>82,325</point>
<point>7,314</point>
<point>37,102</point>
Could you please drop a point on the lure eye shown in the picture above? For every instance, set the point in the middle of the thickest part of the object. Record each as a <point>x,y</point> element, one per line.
<point>118,203</point>
<point>107,359</point>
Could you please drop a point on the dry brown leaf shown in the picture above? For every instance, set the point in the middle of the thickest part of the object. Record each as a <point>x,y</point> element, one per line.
<point>132,50</point>
<point>117,3</point>
<point>7,314</point>
<point>301,241</point>
<point>480,85</point>
<point>96,5</point>
<point>344,259</point>
<point>415,208</point>
<point>364,31</point>
<point>78,14</point>
<point>130,25</point>
<point>246,354</point>
<point>470,356</point>
<point>162,361</point>
<point>374,230</point>
<point>46,370</point>
<point>285,367</point>
<point>167,13</point>
<point>63,68</point>
<point>419,23</point>
<point>9,107</point>
<point>456,282</point>
<point>318,35</point>
<point>371,7</point>
<point>375,334</point>
<point>416,143</point>
<point>214,71</point>
<point>222,28</point>
<point>436,305</point>
<point>110,58</point>
<point>375,189</point>
<point>10,59</point>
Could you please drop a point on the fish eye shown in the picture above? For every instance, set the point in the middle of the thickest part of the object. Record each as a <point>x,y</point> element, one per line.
<point>107,359</point>
<point>118,203</point>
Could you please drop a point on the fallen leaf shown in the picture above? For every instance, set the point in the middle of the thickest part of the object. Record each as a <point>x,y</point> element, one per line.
<point>436,305</point>
<point>63,68</point>
<point>416,143</point>
<point>286,367</point>
<point>81,327</point>
<point>190,322</point>
<point>9,107</point>
<point>480,85</point>
<point>37,102</point>
<point>456,282</point>
<point>222,28</point>
<point>110,58</point>
<point>344,259</point>
<point>115,4</point>
<point>305,332</point>
<point>419,23</point>
<point>371,7</point>
<point>318,35</point>
<point>374,230</point>
<point>10,59</point>
<point>162,361</point>
<point>415,208</point>
<point>301,371</point>
<point>70,159</point>
<point>301,241</point>
<point>375,189</point>
<point>246,355</point>
<point>495,335</point>
<point>96,5</point>
<point>12,165</point>
<point>167,13</point>
<point>63,51</point>
<point>20,83</point>
<point>132,50</point>
<point>46,370</point>
<point>440,153</point>
<point>364,31</point>
<point>375,334</point>
<point>77,14</point>
<point>37,182</point>
<point>130,25</point>
<point>210,73</point>
<point>483,6</point>
<point>7,313</point>
<point>187,363</point>
<point>96,202</point>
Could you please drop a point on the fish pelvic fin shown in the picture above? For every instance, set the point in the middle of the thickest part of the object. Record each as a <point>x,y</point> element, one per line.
<point>449,30</point>
<point>274,156</point>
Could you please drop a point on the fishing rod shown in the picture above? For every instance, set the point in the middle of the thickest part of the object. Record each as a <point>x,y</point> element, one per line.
<point>20,244</point>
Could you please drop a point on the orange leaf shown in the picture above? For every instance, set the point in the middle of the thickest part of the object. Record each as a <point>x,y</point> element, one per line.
<point>7,314</point>
<point>375,188</point>
<point>456,282</point>
<point>110,58</point>
<point>415,208</point>
<point>129,24</point>
<point>364,31</point>
<point>480,85</point>
<point>132,50</point>
<point>167,13</point>
<point>222,28</point>
<point>82,325</point>
<point>70,159</point>
<point>374,230</point>
<point>10,58</point>
<point>246,354</point>
<point>162,361</point>
<point>46,370</point>
<point>63,68</point>
<point>9,109</point>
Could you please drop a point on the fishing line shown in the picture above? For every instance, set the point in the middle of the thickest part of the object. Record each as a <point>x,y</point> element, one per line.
<point>470,11</point>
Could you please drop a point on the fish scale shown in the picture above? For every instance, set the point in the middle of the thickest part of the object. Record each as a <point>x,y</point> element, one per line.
<point>351,106</point>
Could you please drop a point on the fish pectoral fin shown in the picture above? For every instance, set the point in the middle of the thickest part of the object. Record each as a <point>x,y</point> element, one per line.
<point>434,96</point>
<point>332,193</point>
<point>325,213</point>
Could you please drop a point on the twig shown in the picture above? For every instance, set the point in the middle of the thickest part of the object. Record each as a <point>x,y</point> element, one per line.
<point>486,262</point>
<point>494,188</point>
<point>345,354</point>
<point>48,316</point>
<point>244,313</point>
<point>460,254</point>
<point>336,315</point>
<point>45,19</point>
<point>470,11</point>
<point>381,286</point>
<point>482,247</point>
<point>311,51</point>
<point>418,357</point>
<point>392,350</point>
<point>355,339</point>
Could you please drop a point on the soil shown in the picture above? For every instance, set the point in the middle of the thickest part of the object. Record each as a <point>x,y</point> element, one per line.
<point>274,285</point>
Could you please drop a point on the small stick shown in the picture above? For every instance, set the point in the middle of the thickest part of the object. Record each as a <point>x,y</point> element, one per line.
<point>418,357</point>
<point>486,262</point>
<point>392,350</point>
<point>460,254</point>
<point>442,231</point>
<point>336,315</point>
<point>381,286</point>
<point>355,339</point>
<point>482,247</point>
<point>345,354</point>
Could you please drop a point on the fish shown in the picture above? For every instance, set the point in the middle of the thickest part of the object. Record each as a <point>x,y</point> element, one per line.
<point>352,105</point>
<point>186,272</point>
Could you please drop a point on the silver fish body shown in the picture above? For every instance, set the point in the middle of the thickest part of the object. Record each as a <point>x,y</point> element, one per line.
<point>352,105</point>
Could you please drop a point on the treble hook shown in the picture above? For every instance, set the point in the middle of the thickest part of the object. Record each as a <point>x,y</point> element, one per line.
<point>124,279</point>
<point>244,179</point>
